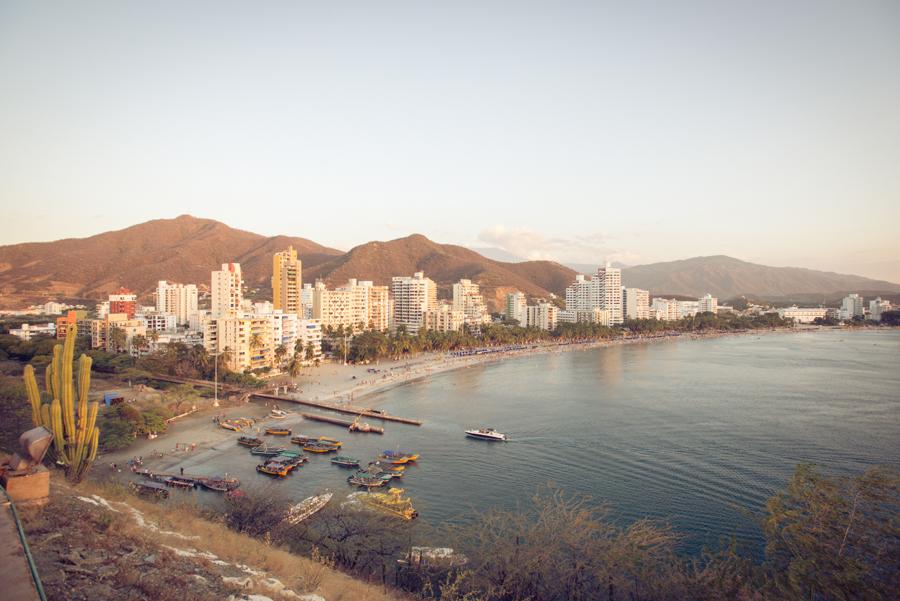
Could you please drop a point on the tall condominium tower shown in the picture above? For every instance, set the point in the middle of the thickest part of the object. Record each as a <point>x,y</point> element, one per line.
<point>286,281</point>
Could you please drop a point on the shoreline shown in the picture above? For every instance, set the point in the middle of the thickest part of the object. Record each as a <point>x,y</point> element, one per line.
<point>195,429</point>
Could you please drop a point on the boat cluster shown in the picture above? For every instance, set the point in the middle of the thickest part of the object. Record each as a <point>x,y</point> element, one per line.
<point>157,482</point>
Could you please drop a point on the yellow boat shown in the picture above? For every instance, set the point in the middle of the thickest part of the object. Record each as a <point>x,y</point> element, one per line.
<point>391,502</point>
<point>278,431</point>
<point>331,441</point>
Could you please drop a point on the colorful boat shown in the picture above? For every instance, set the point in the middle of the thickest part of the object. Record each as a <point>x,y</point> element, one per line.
<point>275,431</point>
<point>378,469</point>
<point>331,441</point>
<point>249,441</point>
<point>398,457</point>
<point>319,447</point>
<point>391,502</point>
<point>230,426</point>
<point>300,439</point>
<point>344,461</point>
<point>387,467</point>
<point>273,469</point>
<point>306,508</point>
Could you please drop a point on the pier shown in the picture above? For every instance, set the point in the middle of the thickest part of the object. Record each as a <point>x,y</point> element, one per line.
<point>317,417</point>
<point>348,409</point>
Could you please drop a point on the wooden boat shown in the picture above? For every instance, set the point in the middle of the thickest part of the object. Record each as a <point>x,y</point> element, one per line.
<point>150,489</point>
<point>344,461</point>
<point>278,414</point>
<point>249,441</point>
<point>378,469</point>
<point>319,447</point>
<point>266,450</point>
<point>274,431</point>
<point>228,425</point>
<point>177,482</point>
<point>273,469</point>
<point>391,502</point>
<point>219,484</point>
<point>331,441</point>
<point>387,467</point>
<point>398,457</point>
<point>367,480</point>
<point>300,439</point>
<point>306,508</point>
<point>290,462</point>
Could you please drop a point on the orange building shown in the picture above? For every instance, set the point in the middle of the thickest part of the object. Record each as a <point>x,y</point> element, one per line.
<point>63,323</point>
<point>123,301</point>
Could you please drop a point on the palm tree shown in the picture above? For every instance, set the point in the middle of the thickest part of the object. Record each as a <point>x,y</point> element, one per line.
<point>280,352</point>
<point>294,366</point>
<point>310,351</point>
<point>256,340</point>
<point>117,339</point>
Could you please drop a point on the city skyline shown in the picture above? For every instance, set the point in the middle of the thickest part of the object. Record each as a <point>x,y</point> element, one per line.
<point>768,133</point>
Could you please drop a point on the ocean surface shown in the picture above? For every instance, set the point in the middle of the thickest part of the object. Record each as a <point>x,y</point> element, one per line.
<point>693,432</point>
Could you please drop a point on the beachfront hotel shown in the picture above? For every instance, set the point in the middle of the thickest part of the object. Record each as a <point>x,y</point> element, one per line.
<point>359,305</point>
<point>413,297</point>
<point>636,303</point>
<point>468,299</point>
<point>603,291</point>
<point>516,306</point>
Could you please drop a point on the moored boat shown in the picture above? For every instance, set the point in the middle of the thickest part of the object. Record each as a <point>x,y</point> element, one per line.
<point>306,508</point>
<point>300,439</point>
<point>486,434</point>
<point>220,483</point>
<point>267,451</point>
<point>249,441</point>
<point>319,447</point>
<point>176,482</point>
<point>344,461</point>
<point>333,442</point>
<point>273,469</point>
<point>367,480</point>
<point>275,431</point>
<point>391,502</point>
<point>398,457</point>
<point>150,489</point>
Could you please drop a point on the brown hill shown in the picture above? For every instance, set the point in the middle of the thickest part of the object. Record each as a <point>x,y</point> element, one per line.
<point>184,249</point>
<point>727,277</point>
<point>445,264</point>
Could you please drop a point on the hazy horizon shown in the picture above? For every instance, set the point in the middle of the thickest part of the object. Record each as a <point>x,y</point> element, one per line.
<point>579,132</point>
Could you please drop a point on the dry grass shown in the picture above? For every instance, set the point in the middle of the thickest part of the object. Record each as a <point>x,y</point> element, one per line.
<point>108,536</point>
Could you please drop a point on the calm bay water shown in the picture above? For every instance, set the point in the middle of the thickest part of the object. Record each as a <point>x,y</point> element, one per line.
<point>689,431</point>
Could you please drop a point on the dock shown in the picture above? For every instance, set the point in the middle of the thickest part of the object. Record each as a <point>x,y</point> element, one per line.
<point>340,408</point>
<point>317,417</point>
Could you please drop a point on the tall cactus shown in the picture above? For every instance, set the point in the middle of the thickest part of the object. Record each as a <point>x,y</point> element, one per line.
<point>73,420</point>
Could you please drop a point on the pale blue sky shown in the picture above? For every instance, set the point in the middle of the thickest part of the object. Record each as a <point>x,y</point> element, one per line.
<point>580,131</point>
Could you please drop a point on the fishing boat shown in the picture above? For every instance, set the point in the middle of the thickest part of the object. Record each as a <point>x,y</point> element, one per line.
<point>319,447</point>
<point>306,508</point>
<point>149,489</point>
<point>379,469</point>
<point>387,467</point>
<point>230,426</point>
<point>275,431</point>
<point>176,482</point>
<point>273,469</point>
<point>344,461</point>
<point>290,461</point>
<point>266,450</point>
<point>300,439</point>
<point>278,413</point>
<point>249,441</point>
<point>220,484</point>
<point>331,441</point>
<point>486,434</point>
<point>391,502</point>
<point>398,457</point>
<point>367,480</point>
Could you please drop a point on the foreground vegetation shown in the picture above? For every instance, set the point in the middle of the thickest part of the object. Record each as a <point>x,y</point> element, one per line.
<point>835,538</point>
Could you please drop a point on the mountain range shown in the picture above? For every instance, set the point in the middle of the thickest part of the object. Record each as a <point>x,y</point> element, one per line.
<point>186,249</point>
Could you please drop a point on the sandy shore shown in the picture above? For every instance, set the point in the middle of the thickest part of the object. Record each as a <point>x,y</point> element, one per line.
<point>356,384</point>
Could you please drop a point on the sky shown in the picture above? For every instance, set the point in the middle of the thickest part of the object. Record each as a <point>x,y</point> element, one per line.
<point>575,131</point>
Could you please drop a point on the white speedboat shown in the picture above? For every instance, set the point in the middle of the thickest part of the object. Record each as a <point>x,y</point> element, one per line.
<point>486,434</point>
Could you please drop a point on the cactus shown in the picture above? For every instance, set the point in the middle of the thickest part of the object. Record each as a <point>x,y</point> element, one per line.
<point>73,420</point>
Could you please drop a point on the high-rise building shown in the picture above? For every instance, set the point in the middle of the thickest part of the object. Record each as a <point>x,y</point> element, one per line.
<point>245,341</point>
<point>227,290</point>
<point>467,298</point>
<point>444,317</point>
<point>516,304</point>
<point>708,304</point>
<point>877,308</point>
<point>664,309</point>
<point>286,281</point>
<point>636,302</point>
<point>413,296</point>
<point>603,291</point>
<point>123,301</point>
<point>178,299</point>
<point>852,306</point>
<point>542,315</point>
<point>687,308</point>
<point>359,305</point>
<point>306,301</point>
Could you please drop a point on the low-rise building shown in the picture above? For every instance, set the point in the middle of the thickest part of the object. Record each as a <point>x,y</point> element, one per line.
<point>708,304</point>
<point>545,316</point>
<point>664,309</point>
<point>29,331</point>
<point>803,314</point>
<point>158,322</point>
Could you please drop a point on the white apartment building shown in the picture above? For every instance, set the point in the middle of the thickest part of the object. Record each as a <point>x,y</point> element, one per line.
<point>246,341</point>
<point>708,304</point>
<point>444,318</point>
<point>664,309</point>
<point>31,330</point>
<point>359,304</point>
<point>516,307</point>
<point>309,332</point>
<point>306,301</point>
<point>596,315</point>
<point>179,299</point>
<point>636,303</point>
<point>603,291</point>
<point>413,297</point>
<point>852,306</point>
<point>158,322</point>
<point>227,290</point>
<point>468,299</point>
<point>687,308</point>
<point>102,309</point>
<point>877,307</point>
<point>803,314</point>
<point>542,315</point>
